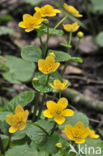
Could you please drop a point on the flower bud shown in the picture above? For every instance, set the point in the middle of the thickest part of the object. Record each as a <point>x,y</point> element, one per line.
<point>46,21</point>
<point>80,34</point>
<point>35,79</point>
<point>59,145</point>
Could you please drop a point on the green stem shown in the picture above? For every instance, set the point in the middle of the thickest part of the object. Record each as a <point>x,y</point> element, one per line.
<point>47,80</point>
<point>76,48</point>
<point>60,93</point>
<point>70,38</point>
<point>1,146</point>
<point>53,129</point>
<point>9,142</point>
<point>89,16</point>
<point>65,66</point>
<point>57,25</point>
<point>36,106</point>
<point>41,43</point>
<point>41,107</point>
<point>46,44</point>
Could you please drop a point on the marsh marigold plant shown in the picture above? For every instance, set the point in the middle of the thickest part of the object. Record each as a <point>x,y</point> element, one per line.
<point>71,27</point>
<point>48,65</point>
<point>30,23</point>
<point>73,11</point>
<point>47,11</point>
<point>78,133</point>
<point>58,110</point>
<point>59,86</point>
<point>17,121</point>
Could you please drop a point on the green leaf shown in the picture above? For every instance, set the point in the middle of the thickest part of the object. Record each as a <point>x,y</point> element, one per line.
<point>33,2</point>
<point>24,150</point>
<point>97,6</point>
<point>31,53</point>
<point>3,101</point>
<point>50,144</point>
<point>5,30</point>
<point>22,99</point>
<point>6,18</point>
<point>99,39</point>
<point>45,124</point>
<point>3,115</point>
<point>63,56</point>
<point>40,84</point>
<point>36,134</point>
<point>43,29</point>
<point>3,67</point>
<point>19,70</point>
<point>5,141</point>
<point>78,116</point>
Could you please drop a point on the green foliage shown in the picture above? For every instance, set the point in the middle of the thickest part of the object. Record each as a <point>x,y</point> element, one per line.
<point>99,39</point>
<point>31,53</point>
<point>40,84</point>
<point>33,2</point>
<point>6,18</point>
<point>5,30</point>
<point>97,6</point>
<point>24,150</point>
<point>78,116</point>
<point>62,56</point>
<point>19,70</point>
<point>36,134</point>
<point>3,115</point>
<point>23,99</point>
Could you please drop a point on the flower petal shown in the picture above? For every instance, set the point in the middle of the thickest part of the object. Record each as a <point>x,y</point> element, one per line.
<point>10,119</point>
<point>59,120</point>
<point>22,25</point>
<point>63,102</point>
<point>22,127</point>
<point>19,109</point>
<point>51,105</point>
<point>68,112</point>
<point>47,114</point>
<point>79,124</point>
<point>26,113</point>
<point>12,130</point>
<point>26,16</point>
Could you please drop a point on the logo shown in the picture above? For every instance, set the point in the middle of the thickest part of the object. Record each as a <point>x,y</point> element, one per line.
<point>85,149</point>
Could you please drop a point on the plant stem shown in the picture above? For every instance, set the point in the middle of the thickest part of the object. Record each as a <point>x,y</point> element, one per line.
<point>57,25</point>
<point>70,38</point>
<point>9,142</point>
<point>53,129</point>
<point>36,106</point>
<point>60,93</point>
<point>47,79</point>
<point>89,16</point>
<point>1,146</point>
<point>46,44</point>
<point>66,64</point>
<point>41,107</point>
<point>41,43</point>
<point>76,48</point>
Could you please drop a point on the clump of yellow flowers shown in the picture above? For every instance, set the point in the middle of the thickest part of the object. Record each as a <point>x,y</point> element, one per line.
<point>48,64</point>
<point>30,22</point>
<point>17,121</point>
<point>58,110</point>
<point>78,133</point>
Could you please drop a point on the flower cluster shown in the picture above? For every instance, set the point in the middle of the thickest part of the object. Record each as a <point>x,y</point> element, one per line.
<point>30,22</point>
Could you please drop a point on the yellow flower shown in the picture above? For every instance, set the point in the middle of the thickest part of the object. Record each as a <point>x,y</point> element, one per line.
<point>58,85</point>
<point>76,133</point>
<point>30,23</point>
<point>92,134</point>
<point>48,65</point>
<point>58,110</point>
<point>71,27</point>
<point>47,11</point>
<point>17,121</point>
<point>72,10</point>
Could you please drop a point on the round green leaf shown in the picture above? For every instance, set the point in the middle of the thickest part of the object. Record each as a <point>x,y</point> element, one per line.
<point>78,116</point>
<point>99,39</point>
<point>31,53</point>
<point>22,99</point>
<point>19,70</point>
